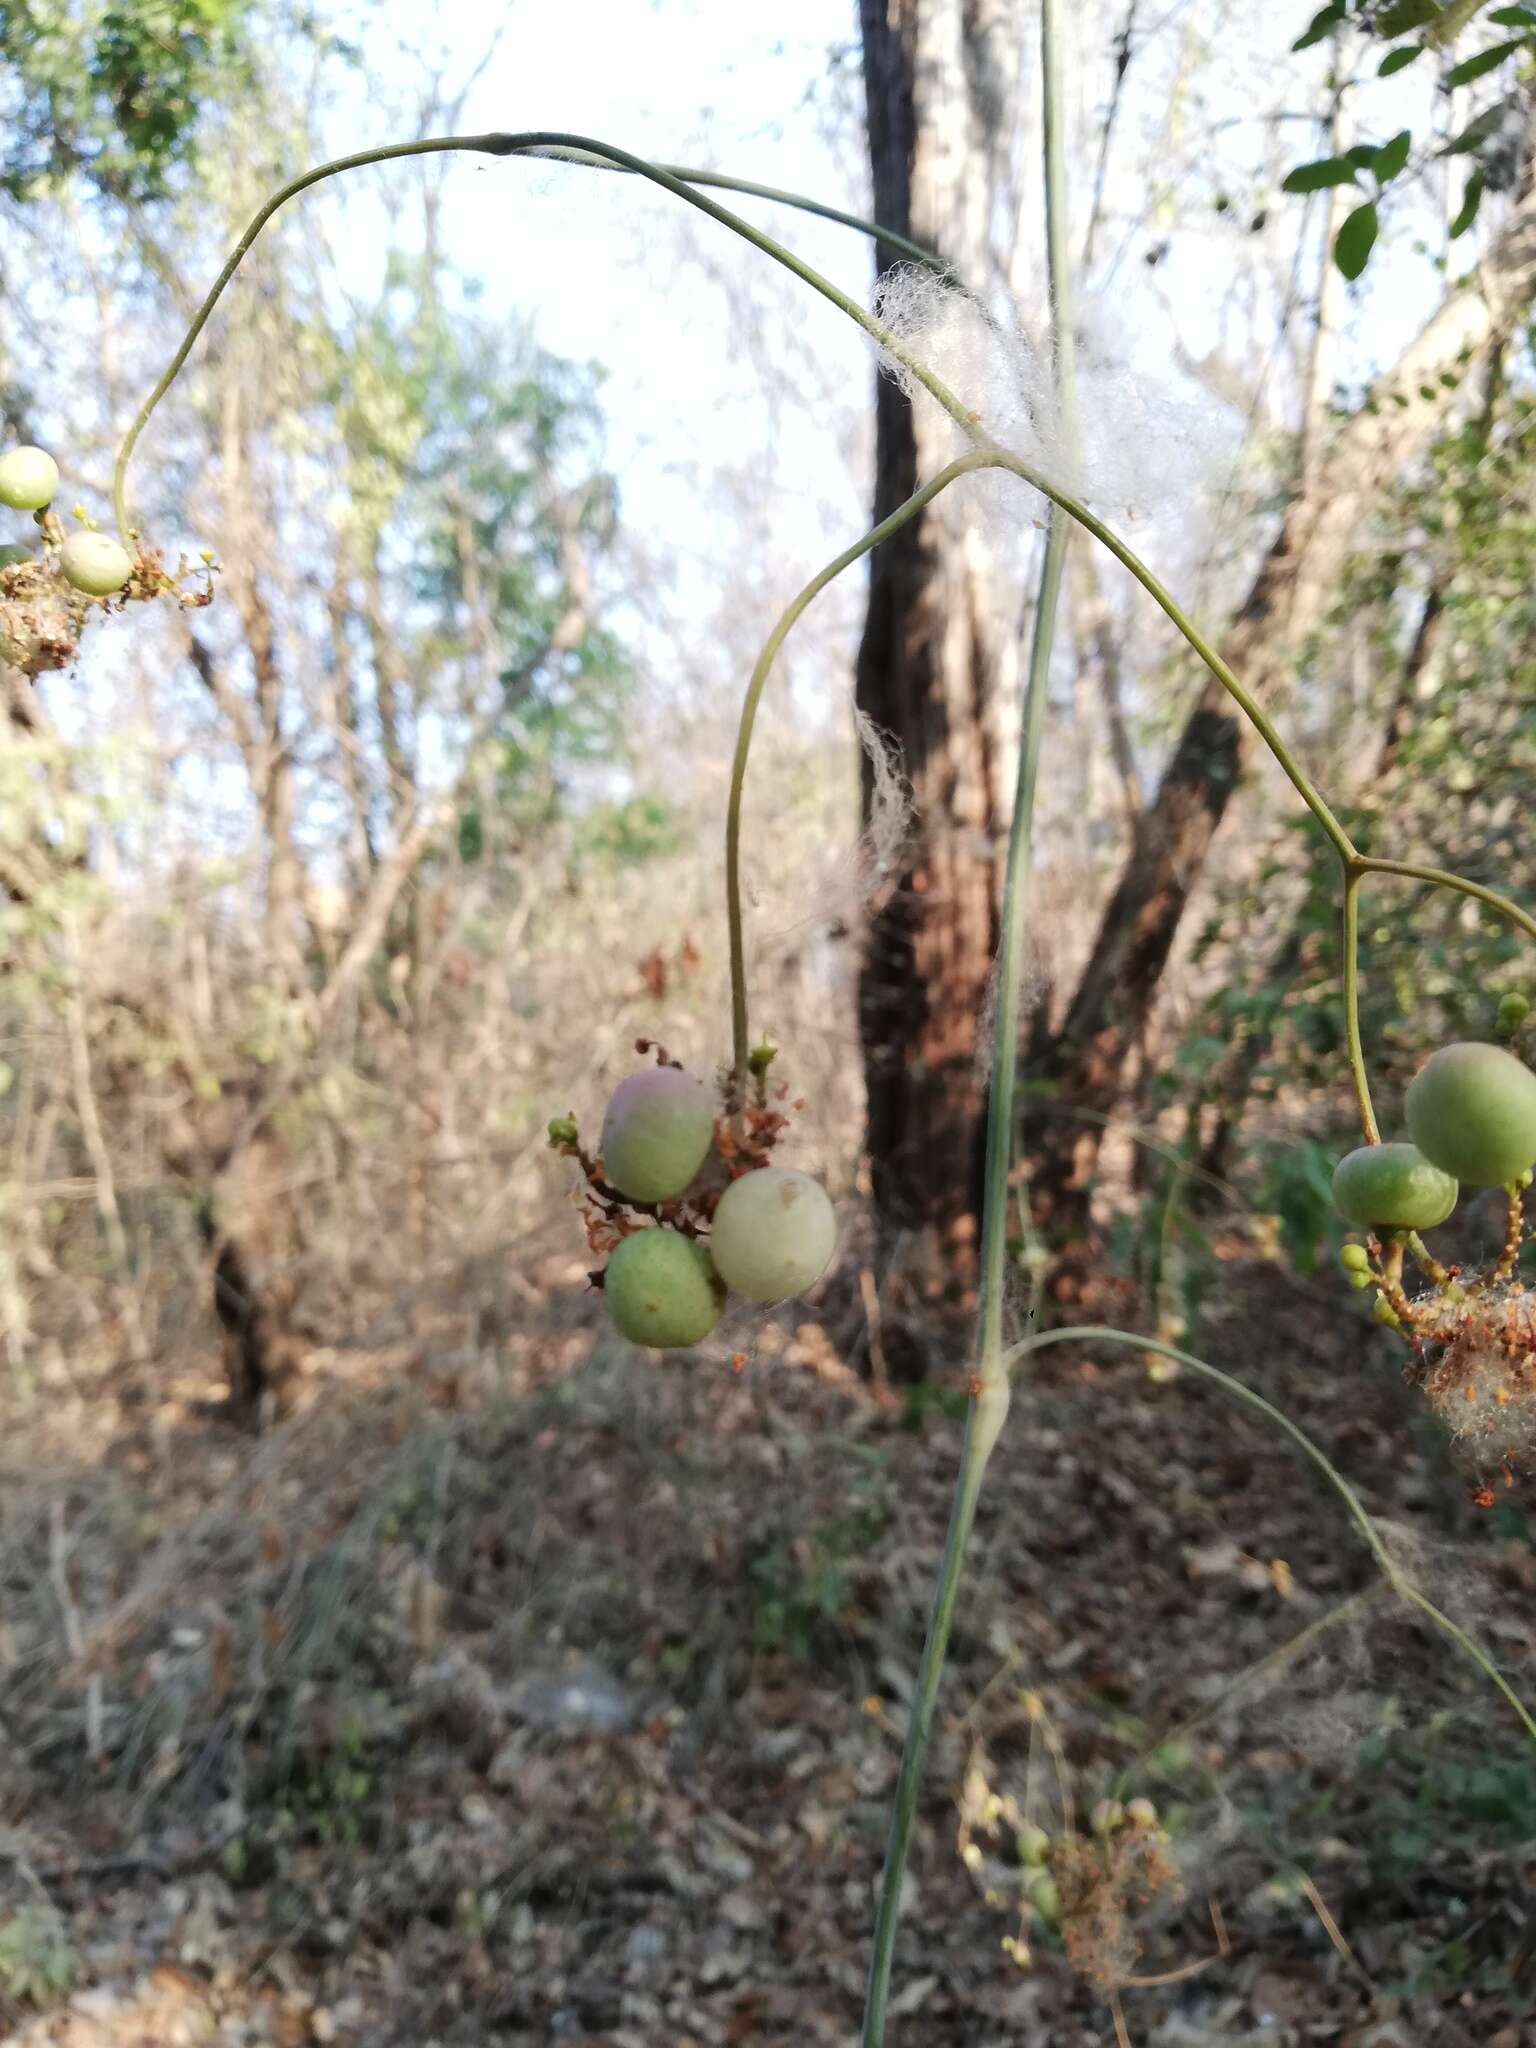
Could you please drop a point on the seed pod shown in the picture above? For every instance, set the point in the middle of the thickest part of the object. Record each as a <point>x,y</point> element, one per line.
<point>95,563</point>
<point>1393,1187</point>
<point>1472,1111</point>
<point>774,1232</point>
<point>657,1131</point>
<point>1033,1843</point>
<point>662,1289</point>
<point>28,479</point>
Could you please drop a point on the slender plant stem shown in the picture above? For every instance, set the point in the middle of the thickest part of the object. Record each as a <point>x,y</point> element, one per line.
<point>988,1411</point>
<point>989,1390</point>
<point>1158,591</point>
<point>740,1028</point>
<point>1351,944</point>
<point>749,187</point>
<point>530,143</point>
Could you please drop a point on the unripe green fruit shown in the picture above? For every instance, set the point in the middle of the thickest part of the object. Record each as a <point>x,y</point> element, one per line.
<point>1141,1813</point>
<point>95,563</point>
<point>1472,1110</point>
<point>28,479</point>
<point>1354,1258</point>
<point>662,1289</point>
<point>1514,1008</point>
<point>1108,1815</point>
<point>1044,1896</point>
<point>1384,1312</point>
<point>1033,1843</point>
<point>11,555</point>
<point>1392,1187</point>
<point>774,1232</point>
<point>657,1132</point>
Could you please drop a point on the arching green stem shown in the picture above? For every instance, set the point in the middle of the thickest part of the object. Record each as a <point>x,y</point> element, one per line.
<point>740,1029</point>
<point>718,181</point>
<point>1356,1051</point>
<point>1246,702</point>
<point>990,1387</point>
<point>530,143</point>
<point>1399,1583</point>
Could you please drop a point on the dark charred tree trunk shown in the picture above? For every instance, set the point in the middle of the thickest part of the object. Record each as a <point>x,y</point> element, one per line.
<point>939,78</point>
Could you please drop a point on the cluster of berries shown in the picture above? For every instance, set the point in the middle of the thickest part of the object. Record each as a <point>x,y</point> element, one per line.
<point>1471,1116</point>
<point>43,600</point>
<point>688,1206</point>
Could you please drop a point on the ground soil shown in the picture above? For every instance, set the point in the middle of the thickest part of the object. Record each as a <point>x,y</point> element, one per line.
<point>527,1690</point>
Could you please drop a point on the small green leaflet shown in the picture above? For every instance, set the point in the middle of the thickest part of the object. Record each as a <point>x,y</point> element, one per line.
<point>1313,177</point>
<point>1355,240</point>
<point>1392,155</point>
<point>1483,62</point>
<point>1514,17</point>
<point>1404,15</point>
<point>1470,201</point>
<point>1322,23</point>
<point>1397,60</point>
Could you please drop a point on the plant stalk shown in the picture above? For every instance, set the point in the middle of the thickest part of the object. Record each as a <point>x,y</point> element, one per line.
<point>989,1389</point>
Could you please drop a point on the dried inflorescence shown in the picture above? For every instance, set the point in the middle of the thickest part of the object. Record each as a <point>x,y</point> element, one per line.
<point>1482,1383</point>
<point>42,616</point>
<point>1102,1885</point>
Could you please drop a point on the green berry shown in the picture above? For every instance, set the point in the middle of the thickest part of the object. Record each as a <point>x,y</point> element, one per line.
<point>774,1233</point>
<point>1472,1111</point>
<point>563,1133</point>
<point>1359,1281</point>
<point>95,563</point>
<point>1033,1843</point>
<point>1141,1813</point>
<point>1513,1011</point>
<point>1044,1897</point>
<point>1354,1258</point>
<point>1108,1815</point>
<point>1392,1187</point>
<point>662,1289</point>
<point>28,479</point>
<point>1384,1312</point>
<point>657,1132</point>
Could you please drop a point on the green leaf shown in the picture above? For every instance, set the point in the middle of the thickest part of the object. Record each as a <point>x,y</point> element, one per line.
<point>1470,201</point>
<point>1322,23</point>
<point>1404,15</point>
<point>1398,60</point>
<point>1326,170</point>
<point>1392,155</point>
<point>1354,242</point>
<point>1484,62</point>
<point>1514,17</point>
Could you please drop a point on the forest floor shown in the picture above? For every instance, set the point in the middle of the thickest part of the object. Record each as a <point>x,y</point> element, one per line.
<point>526,1691</point>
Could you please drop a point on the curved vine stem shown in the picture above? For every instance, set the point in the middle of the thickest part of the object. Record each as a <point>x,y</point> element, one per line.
<point>1443,878</point>
<point>534,142</point>
<point>1398,1582</point>
<point>740,1029</point>
<point>1356,1051</point>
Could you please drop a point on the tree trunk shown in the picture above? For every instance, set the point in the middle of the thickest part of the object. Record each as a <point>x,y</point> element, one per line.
<point>1086,1061</point>
<point>939,80</point>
